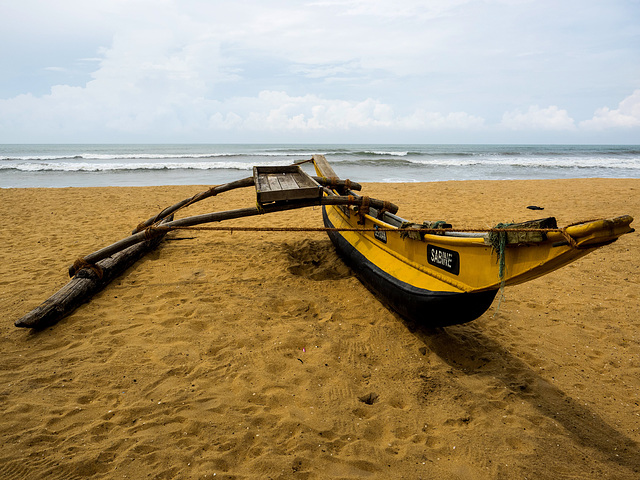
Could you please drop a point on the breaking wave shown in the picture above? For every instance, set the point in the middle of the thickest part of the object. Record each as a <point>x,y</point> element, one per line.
<point>133,166</point>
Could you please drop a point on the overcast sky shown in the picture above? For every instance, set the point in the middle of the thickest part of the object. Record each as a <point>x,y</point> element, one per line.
<point>347,71</point>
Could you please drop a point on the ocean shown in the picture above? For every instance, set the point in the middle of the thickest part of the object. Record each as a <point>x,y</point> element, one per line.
<point>28,166</point>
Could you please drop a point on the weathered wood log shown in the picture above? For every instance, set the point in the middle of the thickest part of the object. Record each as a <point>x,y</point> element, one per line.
<point>337,183</point>
<point>86,283</point>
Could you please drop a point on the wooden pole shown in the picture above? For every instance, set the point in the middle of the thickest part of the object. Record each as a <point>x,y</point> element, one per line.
<point>213,191</point>
<point>334,182</point>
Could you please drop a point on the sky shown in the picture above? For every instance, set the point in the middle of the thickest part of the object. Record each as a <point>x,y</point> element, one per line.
<point>320,71</point>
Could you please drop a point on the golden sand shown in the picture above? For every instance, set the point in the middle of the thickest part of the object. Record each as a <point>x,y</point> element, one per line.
<point>260,355</point>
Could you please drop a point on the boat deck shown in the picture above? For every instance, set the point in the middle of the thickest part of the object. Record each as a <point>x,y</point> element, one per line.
<point>281,184</point>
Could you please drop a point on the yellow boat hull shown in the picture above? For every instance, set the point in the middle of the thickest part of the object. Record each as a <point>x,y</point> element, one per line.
<point>416,303</point>
<point>453,277</point>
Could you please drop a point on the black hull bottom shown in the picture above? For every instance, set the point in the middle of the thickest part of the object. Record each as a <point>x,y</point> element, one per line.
<point>425,308</point>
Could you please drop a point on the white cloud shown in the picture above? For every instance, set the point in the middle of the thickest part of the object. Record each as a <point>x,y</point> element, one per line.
<point>627,115</point>
<point>386,9</point>
<point>183,69</point>
<point>130,109</point>
<point>536,118</point>
<point>278,111</point>
<point>423,119</point>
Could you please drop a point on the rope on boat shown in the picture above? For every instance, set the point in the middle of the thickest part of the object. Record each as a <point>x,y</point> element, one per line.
<point>80,263</point>
<point>498,241</point>
<point>349,229</point>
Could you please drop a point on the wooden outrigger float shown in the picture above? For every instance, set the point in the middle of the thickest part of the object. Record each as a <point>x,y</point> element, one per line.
<point>430,274</point>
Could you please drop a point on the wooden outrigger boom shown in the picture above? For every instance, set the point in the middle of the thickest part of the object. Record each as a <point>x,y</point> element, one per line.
<point>93,272</point>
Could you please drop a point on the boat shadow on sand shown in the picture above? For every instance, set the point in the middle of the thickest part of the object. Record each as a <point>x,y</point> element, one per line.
<point>468,351</point>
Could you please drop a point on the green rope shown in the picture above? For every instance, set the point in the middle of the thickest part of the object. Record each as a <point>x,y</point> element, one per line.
<point>438,224</point>
<point>498,241</point>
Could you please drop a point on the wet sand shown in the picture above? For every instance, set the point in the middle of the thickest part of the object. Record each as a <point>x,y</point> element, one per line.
<point>260,355</point>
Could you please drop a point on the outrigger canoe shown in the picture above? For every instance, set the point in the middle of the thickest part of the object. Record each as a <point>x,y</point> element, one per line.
<point>430,274</point>
<point>437,276</point>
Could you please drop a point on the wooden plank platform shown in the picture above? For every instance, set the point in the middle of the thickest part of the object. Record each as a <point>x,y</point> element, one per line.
<point>277,184</point>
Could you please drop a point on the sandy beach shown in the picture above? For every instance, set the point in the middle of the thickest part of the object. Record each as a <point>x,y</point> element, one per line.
<point>260,355</point>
